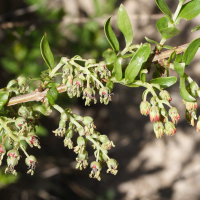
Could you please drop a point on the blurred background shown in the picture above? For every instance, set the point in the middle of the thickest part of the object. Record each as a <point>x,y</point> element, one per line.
<point>149,168</point>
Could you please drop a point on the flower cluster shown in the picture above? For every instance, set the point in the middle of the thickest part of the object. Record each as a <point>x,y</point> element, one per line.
<point>159,115</point>
<point>16,129</point>
<point>86,80</point>
<point>86,130</point>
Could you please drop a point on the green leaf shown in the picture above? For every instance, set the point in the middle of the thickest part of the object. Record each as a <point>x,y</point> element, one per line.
<point>164,29</point>
<point>109,56</point>
<point>184,93</point>
<point>128,55</point>
<point>136,62</point>
<point>179,68</point>
<point>53,85</point>
<point>178,58</point>
<point>168,47</point>
<point>118,69</point>
<point>189,11</point>
<point>164,82</point>
<point>110,35</point>
<point>172,56</point>
<point>43,109</point>
<point>52,95</point>
<point>110,85</point>
<point>151,41</point>
<point>164,8</point>
<point>191,51</point>
<point>124,25</point>
<point>3,98</point>
<point>46,52</point>
<point>197,28</point>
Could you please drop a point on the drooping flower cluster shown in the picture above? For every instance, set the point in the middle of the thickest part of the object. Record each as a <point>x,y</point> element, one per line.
<point>159,115</point>
<point>86,80</point>
<point>86,130</point>
<point>15,130</point>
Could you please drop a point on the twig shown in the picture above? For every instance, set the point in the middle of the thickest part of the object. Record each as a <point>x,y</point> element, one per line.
<point>38,96</point>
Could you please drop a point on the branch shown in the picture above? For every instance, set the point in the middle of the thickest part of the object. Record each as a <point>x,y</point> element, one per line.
<point>38,96</point>
<point>166,54</point>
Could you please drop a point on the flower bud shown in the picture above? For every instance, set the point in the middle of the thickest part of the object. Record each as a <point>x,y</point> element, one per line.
<point>112,166</point>
<point>158,129</point>
<point>32,140</point>
<point>170,129</point>
<point>164,95</point>
<point>173,113</point>
<point>190,116</point>
<point>78,82</point>
<point>31,161</point>
<point>23,111</point>
<point>82,160</point>
<point>67,69</point>
<point>190,105</point>
<point>21,80</point>
<point>80,145</point>
<point>12,160</point>
<point>154,114</point>
<point>145,107</point>
<point>96,168</point>
<point>19,122</point>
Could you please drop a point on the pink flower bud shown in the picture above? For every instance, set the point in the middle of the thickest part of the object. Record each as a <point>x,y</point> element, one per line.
<point>158,129</point>
<point>170,129</point>
<point>145,107</point>
<point>190,105</point>
<point>190,116</point>
<point>173,113</point>
<point>154,114</point>
<point>164,95</point>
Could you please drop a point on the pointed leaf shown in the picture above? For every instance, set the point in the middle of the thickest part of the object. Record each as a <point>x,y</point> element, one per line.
<point>197,28</point>
<point>189,11</point>
<point>179,68</point>
<point>165,31</point>
<point>136,62</point>
<point>3,98</point>
<point>164,8</point>
<point>52,95</point>
<point>118,69</point>
<point>178,58</point>
<point>109,56</point>
<point>110,35</point>
<point>168,47</point>
<point>191,51</point>
<point>151,41</point>
<point>164,82</point>
<point>172,56</point>
<point>184,93</point>
<point>46,52</point>
<point>124,25</point>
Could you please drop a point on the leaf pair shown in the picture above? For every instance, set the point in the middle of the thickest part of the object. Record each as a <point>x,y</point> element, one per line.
<point>124,25</point>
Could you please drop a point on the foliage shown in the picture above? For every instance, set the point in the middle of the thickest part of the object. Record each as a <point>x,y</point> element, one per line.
<point>85,77</point>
